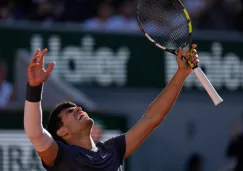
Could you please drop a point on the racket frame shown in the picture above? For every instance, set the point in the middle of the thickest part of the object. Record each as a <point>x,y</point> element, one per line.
<point>197,70</point>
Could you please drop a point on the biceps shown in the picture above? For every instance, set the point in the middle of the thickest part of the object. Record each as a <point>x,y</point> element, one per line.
<point>46,147</point>
<point>136,136</point>
<point>49,155</point>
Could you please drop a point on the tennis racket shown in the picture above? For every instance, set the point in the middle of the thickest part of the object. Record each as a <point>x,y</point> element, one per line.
<point>167,24</point>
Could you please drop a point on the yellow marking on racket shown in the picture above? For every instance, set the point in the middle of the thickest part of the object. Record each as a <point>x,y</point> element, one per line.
<point>192,65</point>
<point>190,27</point>
<point>186,13</point>
<point>188,18</point>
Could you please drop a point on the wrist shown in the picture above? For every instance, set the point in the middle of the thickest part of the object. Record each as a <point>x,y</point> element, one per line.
<point>182,73</point>
<point>33,85</point>
<point>34,93</point>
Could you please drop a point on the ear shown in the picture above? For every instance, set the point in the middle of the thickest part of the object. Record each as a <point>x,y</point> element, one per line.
<point>62,132</point>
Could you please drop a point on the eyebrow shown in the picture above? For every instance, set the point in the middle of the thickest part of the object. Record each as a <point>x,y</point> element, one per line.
<point>69,110</point>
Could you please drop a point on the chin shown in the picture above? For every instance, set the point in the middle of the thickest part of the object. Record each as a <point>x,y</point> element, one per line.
<point>86,125</point>
<point>90,122</point>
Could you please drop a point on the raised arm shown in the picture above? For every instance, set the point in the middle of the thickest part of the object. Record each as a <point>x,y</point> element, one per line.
<point>39,137</point>
<point>158,110</point>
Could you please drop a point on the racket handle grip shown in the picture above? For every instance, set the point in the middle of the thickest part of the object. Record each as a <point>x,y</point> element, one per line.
<point>208,86</point>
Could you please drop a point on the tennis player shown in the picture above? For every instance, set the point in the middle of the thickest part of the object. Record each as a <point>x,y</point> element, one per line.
<point>66,144</point>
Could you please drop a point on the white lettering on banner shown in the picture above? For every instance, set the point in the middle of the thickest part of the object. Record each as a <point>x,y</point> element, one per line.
<point>101,65</point>
<point>17,153</point>
<point>222,71</point>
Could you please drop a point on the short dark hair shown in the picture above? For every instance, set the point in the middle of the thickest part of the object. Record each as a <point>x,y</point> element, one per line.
<point>55,121</point>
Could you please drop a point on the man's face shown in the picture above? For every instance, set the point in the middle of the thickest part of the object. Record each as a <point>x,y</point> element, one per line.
<point>75,121</point>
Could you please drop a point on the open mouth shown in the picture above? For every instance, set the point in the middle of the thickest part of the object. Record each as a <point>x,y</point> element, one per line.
<point>80,116</point>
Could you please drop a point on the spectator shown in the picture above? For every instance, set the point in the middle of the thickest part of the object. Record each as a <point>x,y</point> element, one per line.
<point>6,89</point>
<point>194,163</point>
<point>235,8</point>
<point>235,147</point>
<point>22,9</point>
<point>211,17</point>
<point>195,8</point>
<point>41,10</point>
<point>6,9</point>
<point>80,10</point>
<point>58,10</point>
<point>126,21</point>
<point>101,22</point>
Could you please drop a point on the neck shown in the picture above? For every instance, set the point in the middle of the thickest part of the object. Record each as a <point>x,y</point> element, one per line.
<point>85,142</point>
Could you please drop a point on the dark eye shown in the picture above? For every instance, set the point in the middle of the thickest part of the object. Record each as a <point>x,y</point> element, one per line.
<point>69,111</point>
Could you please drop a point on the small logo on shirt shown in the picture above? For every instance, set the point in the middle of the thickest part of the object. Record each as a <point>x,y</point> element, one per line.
<point>103,156</point>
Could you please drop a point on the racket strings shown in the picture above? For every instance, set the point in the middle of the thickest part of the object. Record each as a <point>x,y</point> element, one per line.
<point>178,31</point>
<point>164,21</point>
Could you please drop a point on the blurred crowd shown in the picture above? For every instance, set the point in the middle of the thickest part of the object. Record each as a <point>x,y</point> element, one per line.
<point>119,14</point>
<point>216,14</point>
<point>7,90</point>
<point>92,14</point>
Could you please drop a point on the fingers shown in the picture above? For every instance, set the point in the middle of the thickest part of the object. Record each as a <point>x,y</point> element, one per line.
<point>50,68</point>
<point>179,55</point>
<point>41,57</point>
<point>194,46</point>
<point>195,59</point>
<point>35,56</point>
<point>194,51</point>
<point>192,57</point>
<point>188,54</point>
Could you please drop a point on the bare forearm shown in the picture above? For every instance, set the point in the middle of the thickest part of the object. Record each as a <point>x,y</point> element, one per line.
<point>33,119</point>
<point>40,138</point>
<point>158,110</point>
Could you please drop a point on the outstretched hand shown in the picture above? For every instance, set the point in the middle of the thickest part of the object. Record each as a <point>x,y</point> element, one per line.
<point>37,74</point>
<point>182,64</point>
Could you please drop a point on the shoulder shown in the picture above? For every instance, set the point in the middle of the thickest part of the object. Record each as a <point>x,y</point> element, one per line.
<point>65,153</point>
<point>118,145</point>
<point>114,140</point>
<point>65,148</point>
<point>115,143</point>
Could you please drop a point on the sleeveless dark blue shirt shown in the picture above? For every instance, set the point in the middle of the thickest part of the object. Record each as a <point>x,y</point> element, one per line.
<point>109,156</point>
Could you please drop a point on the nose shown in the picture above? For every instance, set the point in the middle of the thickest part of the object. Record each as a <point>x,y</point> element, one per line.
<point>78,109</point>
